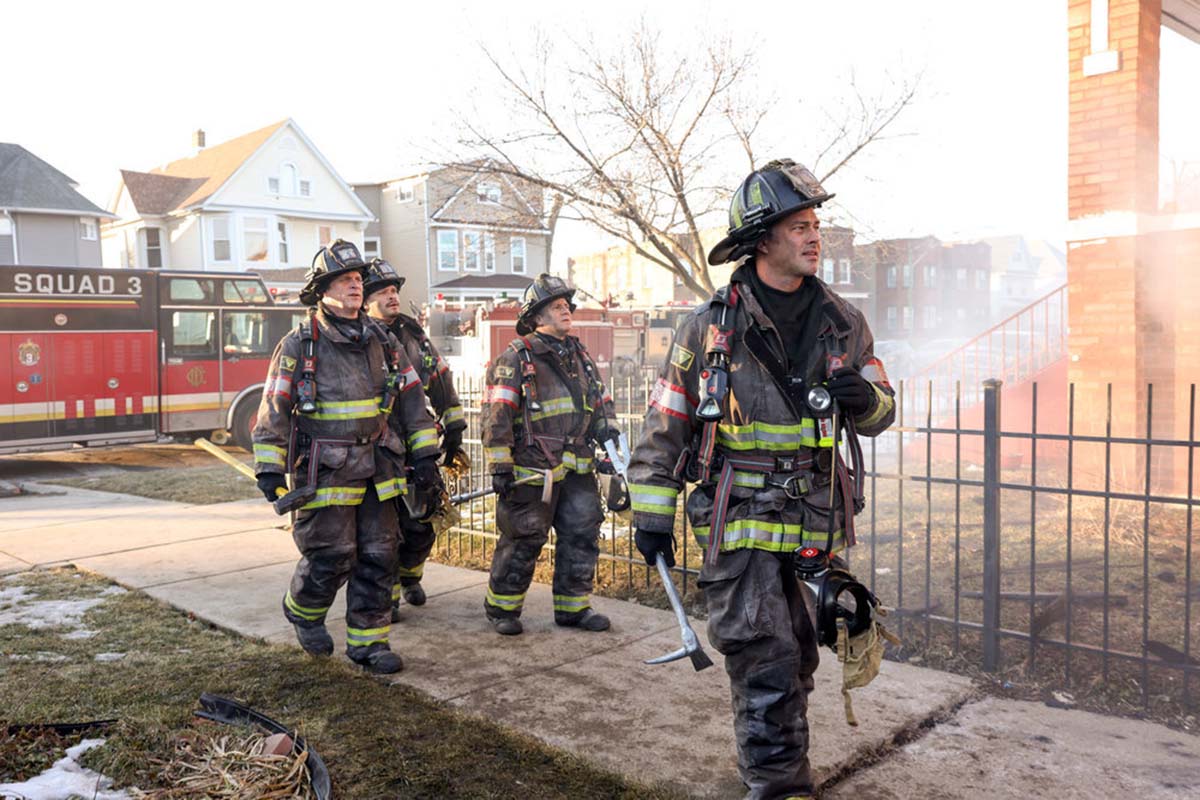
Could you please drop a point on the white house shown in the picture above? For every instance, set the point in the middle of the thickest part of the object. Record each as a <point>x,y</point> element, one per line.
<point>264,202</point>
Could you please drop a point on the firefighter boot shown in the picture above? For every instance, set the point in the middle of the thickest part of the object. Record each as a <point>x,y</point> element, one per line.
<point>589,620</point>
<point>376,658</point>
<point>314,639</point>
<point>506,626</point>
<point>414,595</point>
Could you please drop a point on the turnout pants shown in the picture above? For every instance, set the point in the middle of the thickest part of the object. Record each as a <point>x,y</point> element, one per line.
<point>758,619</point>
<point>340,544</point>
<point>416,542</point>
<point>524,523</point>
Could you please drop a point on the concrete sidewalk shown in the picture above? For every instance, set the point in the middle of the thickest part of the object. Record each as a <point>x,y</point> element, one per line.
<point>590,693</point>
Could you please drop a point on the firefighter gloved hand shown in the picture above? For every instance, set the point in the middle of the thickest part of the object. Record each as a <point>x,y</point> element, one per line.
<point>502,484</point>
<point>650,544</point>
<point>451,444</point>
<point>851,391</point>
<point>425,473</point>
<point>268,482</point>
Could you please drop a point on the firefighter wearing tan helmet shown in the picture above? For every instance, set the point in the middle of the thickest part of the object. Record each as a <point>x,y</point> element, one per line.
<point>544,413</point>
<point>381,299</point>
<point>742,408</point>
<point>332,386</point>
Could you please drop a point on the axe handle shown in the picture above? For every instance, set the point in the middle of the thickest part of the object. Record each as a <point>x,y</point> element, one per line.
<point>212,449</point>
<point>672,595</point>
<point>462,498</point>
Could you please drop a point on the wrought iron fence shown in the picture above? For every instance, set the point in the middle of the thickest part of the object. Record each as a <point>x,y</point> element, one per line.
<point>1068,554</point>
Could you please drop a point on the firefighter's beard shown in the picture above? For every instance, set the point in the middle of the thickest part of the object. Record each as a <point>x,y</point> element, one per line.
<point>386,310</point>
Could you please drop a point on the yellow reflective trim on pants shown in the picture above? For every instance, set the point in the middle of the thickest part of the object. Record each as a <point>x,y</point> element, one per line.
<point>776,537</point>
<point>505,602</point>
<point>269,454</point>
<point>571,603</point>
<point>304,612</point>
<point>411,572</point>
<point>362,637</point>
<point>348,409</point>
<point>574,463</point>
<point>337,496</point>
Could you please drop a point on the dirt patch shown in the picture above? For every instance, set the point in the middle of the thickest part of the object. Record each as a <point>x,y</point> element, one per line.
<point>194,485</point>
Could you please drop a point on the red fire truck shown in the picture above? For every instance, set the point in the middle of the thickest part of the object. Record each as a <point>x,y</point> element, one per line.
<point>100,356</point>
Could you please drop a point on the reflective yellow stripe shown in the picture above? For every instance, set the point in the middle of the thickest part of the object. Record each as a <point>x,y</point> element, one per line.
<point>571,603</point>
<point>554,408</point>
<point>882,408</point>
<point>558,473</point>
<point>771,437</point>
<point>425,437</point>
<point>779,537</point>
<point>580,464</point>
<point>505,602</point>
<point>653,499</point>
<point>362,637</point>
<point>498,455</point>
<point>337,496</point>
<point>310,614</point>
<point>269,454</point>
<point>348,409</point>
<point>453,414</point>
<point>411,572</point>
<point>394,487</point>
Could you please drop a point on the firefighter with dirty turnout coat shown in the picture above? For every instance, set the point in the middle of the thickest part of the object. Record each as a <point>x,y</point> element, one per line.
<point>742,409</point>
<point>381,294</point>
<point>544,412</point>
<point>332,386</point>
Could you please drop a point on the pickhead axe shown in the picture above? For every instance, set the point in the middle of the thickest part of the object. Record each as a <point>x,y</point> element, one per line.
<point>691,644</point>
<point>284,502</point>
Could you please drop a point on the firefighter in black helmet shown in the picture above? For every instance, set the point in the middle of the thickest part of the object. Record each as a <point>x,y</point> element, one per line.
<point>333,386</point>
<point>381,298</point>
<point>731,414</point>
<point>544,412</point>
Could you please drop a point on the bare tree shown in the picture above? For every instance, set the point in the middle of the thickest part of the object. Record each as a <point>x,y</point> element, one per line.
<point>644,143</point>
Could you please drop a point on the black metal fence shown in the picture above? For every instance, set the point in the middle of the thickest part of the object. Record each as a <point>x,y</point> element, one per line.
<point>1054,552</point>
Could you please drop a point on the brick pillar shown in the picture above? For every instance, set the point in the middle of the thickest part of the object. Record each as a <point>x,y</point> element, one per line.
<point>1112,179</point>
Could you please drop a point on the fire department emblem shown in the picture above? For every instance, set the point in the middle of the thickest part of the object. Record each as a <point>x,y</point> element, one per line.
<point>196,376</point>
<point>29,353</point>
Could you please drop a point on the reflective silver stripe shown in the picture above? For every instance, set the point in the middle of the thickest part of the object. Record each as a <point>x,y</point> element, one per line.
<point>453,414</point>
<point>768,436</point>
<point>571,603</point>
<point>653,499</point>
<point>497,393</point>
<point>670,399</point>
<point>411,378</point>
<point>554,408</point>
<point>580,464</point>
<point>269,454</point>
<point>336,496</point>
<point>350,409</point>
<point>780,537</point>
<point>506,602</point>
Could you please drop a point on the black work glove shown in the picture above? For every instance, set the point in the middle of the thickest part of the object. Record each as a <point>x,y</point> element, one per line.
<point>451,444</point>
<point>650,544</point>
<point>502,484</point>
<point>605,466</point>
<point>268,482</point>
<point>425,473</point>
<point>851,390</point>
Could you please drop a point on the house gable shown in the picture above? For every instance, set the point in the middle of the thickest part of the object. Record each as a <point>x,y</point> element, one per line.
<point>461,196</point>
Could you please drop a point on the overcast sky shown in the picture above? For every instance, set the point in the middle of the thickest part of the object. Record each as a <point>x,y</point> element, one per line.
<point>93,88</point>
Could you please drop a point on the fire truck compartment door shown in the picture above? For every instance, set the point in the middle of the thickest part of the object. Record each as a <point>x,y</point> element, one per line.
<point>25,408</point>
<point>191,374</point>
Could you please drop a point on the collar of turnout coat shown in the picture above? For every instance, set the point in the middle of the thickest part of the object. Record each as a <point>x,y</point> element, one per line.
<point>833,308</point>
<point>330,331</point>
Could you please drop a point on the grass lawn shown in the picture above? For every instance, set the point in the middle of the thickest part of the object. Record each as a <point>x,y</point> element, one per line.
<point>108,653</point>
<point>192,485</point>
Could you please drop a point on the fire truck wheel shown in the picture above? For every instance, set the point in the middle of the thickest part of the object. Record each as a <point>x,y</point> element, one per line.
<point>244,417</point>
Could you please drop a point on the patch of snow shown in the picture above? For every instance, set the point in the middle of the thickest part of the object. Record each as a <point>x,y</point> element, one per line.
<point>112,590</point>
<point>66,779</point>
<point>47,613</point>
<point>10,597</point>
<point>81,633</point>
<point>109,656</point>
<point>39,656</point>
<point>883,570</point>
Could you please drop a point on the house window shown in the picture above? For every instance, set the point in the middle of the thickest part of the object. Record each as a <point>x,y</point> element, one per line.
<point>488,192</point>
<point>844,271</point>
<point>517,247</point>
<point>324,234</point>
<point>272,185</point>
<point>87,229</point>
<point>288,178</point>
<point>891,318</point>
<point>255,246</point>
<point>222,245</point>
<point>404,193</point>
<point>930,317</point>
<point>908,318</point>
<point>370,247</point>
<point>152,247</point>
<point>827,270</point>
<point>489,252</point>
<point>447,242</point>
<point>908,276</point>
<point>306,188</point>
<point>981,279</point>
<point>960,277</point>
<point>471,248</point>
<point>930,275</point>
<point>891,277</point>
<point>282,228</point>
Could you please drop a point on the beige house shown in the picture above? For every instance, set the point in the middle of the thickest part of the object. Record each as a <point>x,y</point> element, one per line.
<point>621,275</point>
<point>458,235</point>
<point>263,202</point>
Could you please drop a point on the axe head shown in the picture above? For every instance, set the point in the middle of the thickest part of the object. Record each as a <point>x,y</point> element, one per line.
<point>294,499</point>
<point>700,659</point>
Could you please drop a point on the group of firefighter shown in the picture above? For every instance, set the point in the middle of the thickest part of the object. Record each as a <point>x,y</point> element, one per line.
<point>359,409</point>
